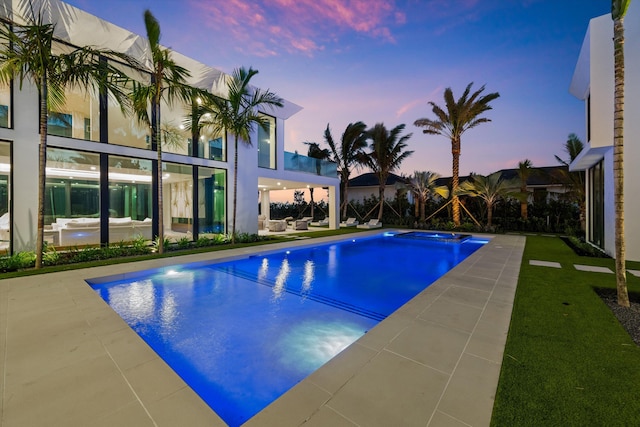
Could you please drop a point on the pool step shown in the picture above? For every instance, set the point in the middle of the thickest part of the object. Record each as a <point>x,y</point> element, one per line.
<point>318,298</point>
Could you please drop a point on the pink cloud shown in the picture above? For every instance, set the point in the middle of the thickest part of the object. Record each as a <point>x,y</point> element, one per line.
<point>300,26</point>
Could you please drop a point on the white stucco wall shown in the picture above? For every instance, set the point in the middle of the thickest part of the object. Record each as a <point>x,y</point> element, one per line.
<point>632,132</point>
<point>24,185</point>
<point>597,66</point>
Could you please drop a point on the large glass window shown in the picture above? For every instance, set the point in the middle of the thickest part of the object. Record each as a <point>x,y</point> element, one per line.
<point>212,200</point>
<point>596,204</point>
<point>211,145</point>
<point>78,117</point>
<point>5,197</point>
<point>72,198</point>
<point>130,199</point>
<point>5,106</point>
<point>130,188</point>
<point>125,129</point>
<point>267,144</point>
<point>177,194</point>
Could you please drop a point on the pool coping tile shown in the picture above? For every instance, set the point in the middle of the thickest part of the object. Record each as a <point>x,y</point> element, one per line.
<point>141,384</point>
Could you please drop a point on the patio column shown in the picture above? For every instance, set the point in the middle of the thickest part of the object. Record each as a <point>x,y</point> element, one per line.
<point>334,207</point>
<point>265,203</point>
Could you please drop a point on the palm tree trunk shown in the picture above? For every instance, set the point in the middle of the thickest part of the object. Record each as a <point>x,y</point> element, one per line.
<point>489,215</point>
<point>381,193</point>
<point>235,189</point>
<point>345,201</point>
<point>312,204</point>
<point>618,162</point>
<point>423,209</point>
<point>523,210</point>
<point>42,165</point>
<point>455,152</point>
<point>417,207</point>
<point>158,143</point>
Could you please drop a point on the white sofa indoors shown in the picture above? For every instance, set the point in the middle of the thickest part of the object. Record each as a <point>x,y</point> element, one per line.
<point>86,231</point>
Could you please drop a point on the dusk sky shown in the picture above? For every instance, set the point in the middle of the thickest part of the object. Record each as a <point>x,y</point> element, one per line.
<point>384,60</point>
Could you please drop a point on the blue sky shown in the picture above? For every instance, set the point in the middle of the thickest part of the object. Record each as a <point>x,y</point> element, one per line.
<point>384,60</point>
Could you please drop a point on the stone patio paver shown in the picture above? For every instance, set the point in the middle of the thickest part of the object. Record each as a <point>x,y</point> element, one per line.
<point>539,263</point>
<point>592,268</point>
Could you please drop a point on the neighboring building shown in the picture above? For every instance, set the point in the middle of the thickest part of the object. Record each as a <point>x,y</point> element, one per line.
<point>367,185</point>
<point>544,183</point>
<point>593,82</point>
<point>547,181</point>
<point>100,164</point>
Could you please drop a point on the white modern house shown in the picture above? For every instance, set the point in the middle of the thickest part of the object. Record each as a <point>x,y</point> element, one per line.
<point>101,174</point>
<point>593,82</point>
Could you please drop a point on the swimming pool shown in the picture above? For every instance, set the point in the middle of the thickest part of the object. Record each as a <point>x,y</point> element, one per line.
<point>243,332</point>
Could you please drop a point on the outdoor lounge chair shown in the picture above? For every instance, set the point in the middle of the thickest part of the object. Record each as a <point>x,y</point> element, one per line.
<point>350,222</point>
<point>373,223</point>
<point>322,223</point>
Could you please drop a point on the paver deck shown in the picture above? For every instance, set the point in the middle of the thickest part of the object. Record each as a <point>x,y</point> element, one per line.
<point>68,359</point>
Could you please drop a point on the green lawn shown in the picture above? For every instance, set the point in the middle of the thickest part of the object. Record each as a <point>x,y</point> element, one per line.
<point>567,361</point>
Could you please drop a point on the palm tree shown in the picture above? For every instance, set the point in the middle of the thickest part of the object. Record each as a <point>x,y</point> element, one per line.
<point>618,11</point>
<point>524,171</point>
<point>457,117</point>
<point>347,155</point>
<point>167,83</point>
<point>491,189</point>
<point>26,54</point>
<point>423,185</point>
<point>319,154</point>
<point>237,114</point>
<point>387,153</point>
<point>574,180</point>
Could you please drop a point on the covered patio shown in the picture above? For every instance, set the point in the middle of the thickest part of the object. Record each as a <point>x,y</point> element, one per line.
<point>267,185</point>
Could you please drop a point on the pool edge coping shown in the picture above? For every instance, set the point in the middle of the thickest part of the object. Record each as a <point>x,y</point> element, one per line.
<point>104,326</point>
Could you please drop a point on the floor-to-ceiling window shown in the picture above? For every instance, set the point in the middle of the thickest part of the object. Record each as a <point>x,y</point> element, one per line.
<point>78,117</point>
<point>211,200</point>
<point>72,198</point>
<point>130,199</point>
<point>5,196</point>
<point>177,195</point>
<point>596,204</point>
<point>267,143</point>
<point>130,188</point>
<point>125,129</point>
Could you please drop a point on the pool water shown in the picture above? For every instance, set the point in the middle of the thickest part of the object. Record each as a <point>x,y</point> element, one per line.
<point>241,333</point>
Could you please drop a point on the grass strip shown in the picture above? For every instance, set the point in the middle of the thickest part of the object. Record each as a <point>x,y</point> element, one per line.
<point>567,360</point>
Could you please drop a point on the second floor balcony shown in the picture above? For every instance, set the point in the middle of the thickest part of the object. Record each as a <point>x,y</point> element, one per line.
<point>298,162</point>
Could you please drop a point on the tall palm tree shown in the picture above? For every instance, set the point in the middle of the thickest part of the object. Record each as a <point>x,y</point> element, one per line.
<point>452,121</point>
<point>319,154</point>
<point>575,181</point>
<point>423,185</point>
<point>388,151</point>
<point>27,54</point>
<point>491,189</point>
<point>167,83</point>
<point>524,172</point>
<point>237,114</point>
<point>618,11</point>
<point>347,155</point>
